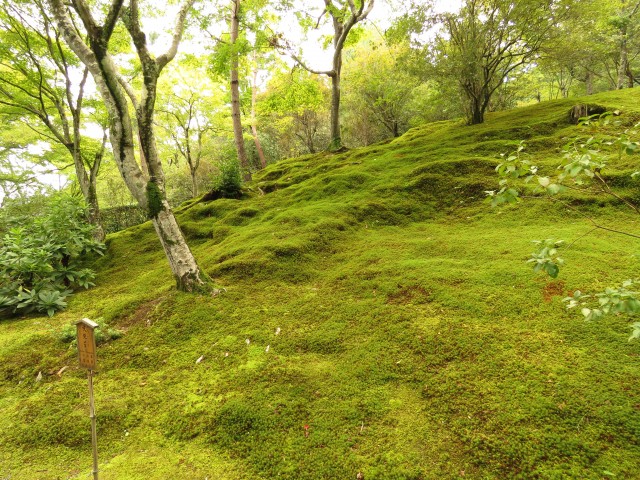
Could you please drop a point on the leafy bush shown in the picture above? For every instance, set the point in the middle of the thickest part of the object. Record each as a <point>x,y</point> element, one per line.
<point>228,182</point>
<point>41,258</point>
<point>103,333</point>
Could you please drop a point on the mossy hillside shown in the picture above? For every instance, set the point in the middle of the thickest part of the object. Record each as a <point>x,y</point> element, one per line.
<point>413,341</point>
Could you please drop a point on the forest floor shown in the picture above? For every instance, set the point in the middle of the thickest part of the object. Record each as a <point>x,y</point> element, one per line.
<point>378,317</point>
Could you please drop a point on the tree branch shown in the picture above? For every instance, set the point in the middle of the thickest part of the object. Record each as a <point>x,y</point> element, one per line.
<point>299,61</point>
<point>126,86</point>
<point>111,20</point>
<point>177,35</point>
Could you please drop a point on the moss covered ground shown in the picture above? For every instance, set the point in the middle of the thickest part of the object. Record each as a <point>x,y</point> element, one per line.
<point>377,317</point>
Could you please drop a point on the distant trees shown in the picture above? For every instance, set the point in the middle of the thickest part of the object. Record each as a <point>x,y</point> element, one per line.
<point>381,93</point>
<point>295,109</point>
<point>487,40</point>
<point>191,112</point>
<point>344,15</point>
<point>43,84</point>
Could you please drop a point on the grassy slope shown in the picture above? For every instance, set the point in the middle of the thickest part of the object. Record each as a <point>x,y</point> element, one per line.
<point>414,342</point>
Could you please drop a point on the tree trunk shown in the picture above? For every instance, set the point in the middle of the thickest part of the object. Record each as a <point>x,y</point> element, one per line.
<point>87,183</point>
<point>336,137</point>
<point>94,212</point>
<point>182,262</point>
<point>194,183</point>
<point>87,180</point>
<point>477,112</point>
<point>624,60</point>
<point>254,128</point>
<point>148,191</point>
<point>589,82</point>
<point>235,95</point>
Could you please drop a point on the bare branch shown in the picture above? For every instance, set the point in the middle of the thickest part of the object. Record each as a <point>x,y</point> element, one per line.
<point>177,35</point>
<point>129,91</point>
<point>300,62</point>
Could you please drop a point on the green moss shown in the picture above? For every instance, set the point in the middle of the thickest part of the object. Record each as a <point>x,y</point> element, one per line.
<point>371,315</point>
<point>154,199</point>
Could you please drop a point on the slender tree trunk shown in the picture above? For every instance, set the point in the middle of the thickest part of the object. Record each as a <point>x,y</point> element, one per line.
<point>589,82</point>
<point>254,128</point>
<point>94,212</point>
<point>341,30</point>
<point>624,60</point>
<point>477,112</point>
<point>336,137</point>
<point>194,183</point>
<point>235,95</point>
<point>87,181</point>
<point>183,265</point>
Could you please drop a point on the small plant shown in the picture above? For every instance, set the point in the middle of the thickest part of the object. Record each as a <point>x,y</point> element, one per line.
<point>103,333</point>
<point>41,258</point>
<point>228,182</point>
<point>546,258</point>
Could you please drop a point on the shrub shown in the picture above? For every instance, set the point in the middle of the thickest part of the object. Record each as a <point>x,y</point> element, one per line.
<point>41,258</point>
<point>228,182</point>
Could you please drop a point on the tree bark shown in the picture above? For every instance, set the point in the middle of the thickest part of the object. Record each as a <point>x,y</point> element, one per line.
<point>254,128</point>
<point>624,60</point>
<point>183,266</point>
<point>235,94</point>
<point>336,136</point>
<point>589,82</point>
<point>194,182</point>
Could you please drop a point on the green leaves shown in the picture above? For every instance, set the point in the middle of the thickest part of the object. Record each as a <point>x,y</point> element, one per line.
<point>546,258</point>
<point>41,258</point>
<point>622,300</point>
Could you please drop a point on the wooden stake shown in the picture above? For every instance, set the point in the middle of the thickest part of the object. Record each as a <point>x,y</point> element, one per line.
<point>88,359</point>
<point>94,433</point>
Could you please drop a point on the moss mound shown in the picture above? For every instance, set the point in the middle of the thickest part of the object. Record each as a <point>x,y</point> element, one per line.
<point>375,316</point>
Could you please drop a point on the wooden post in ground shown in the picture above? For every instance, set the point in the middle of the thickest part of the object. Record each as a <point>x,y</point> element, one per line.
<point>88,359</point>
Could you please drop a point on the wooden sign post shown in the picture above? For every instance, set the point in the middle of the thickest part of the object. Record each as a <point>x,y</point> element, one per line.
<point>88,360</point>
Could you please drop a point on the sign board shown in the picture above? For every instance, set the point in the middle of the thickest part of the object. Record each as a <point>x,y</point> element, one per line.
<point>87,343</point>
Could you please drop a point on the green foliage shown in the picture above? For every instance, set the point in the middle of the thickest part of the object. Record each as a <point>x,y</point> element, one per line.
<point>228,182</point>
<point>294,112</point>
<point>545,258</point>
<point>381,97</point>
<point>582,168</point>
<point>41,258</point>
<point>103,333</point>
<point>621,300</point>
